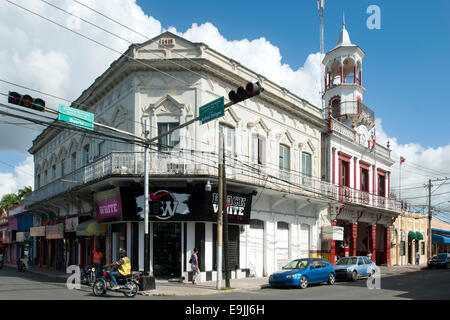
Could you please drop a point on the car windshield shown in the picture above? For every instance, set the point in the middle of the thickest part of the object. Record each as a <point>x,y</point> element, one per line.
<point>346,261</point>
<point>440,256</point>
<point>297,264</point>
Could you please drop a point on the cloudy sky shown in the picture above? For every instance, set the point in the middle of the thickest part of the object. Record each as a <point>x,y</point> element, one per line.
<point>402,68</point>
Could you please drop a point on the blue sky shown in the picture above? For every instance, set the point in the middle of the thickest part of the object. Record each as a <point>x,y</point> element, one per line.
<point>404,70</point>
<point>405,63</point>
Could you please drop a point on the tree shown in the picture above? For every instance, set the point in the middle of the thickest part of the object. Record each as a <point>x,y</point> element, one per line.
<point>9,200</point>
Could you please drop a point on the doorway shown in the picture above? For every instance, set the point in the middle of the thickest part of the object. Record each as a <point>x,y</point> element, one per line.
<point>167,250</point>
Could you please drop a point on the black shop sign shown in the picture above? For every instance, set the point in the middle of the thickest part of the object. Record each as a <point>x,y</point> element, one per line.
<point>195,205</point>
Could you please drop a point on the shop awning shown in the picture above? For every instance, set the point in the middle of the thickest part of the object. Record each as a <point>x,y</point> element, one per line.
<point>440,238</point>
<point>91,228</point>
<point>412,235</point>
<point>419,236</point>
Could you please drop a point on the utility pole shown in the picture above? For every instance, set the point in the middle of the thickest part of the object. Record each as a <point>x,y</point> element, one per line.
<point>219,215</point>
<point>148,282</point>
<point>225,217</point>
<point>429,221</point>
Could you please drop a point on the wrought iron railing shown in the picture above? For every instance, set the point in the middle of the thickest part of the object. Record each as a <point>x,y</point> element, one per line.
<point>188,163</point>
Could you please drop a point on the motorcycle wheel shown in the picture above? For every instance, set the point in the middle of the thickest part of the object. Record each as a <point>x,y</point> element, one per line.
<point>133,291</point>
<point>99,288</point>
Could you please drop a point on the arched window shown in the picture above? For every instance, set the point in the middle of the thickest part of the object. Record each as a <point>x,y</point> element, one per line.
<point>335,106</point>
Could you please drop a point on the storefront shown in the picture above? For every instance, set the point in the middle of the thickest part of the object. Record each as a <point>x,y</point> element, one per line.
<point>440,241</point>
<point>90,235</point>
<point>3,232</point>
<point>182,219</point>
<point>24,244</point>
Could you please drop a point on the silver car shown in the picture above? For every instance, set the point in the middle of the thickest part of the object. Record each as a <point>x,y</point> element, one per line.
<point>353,268</point>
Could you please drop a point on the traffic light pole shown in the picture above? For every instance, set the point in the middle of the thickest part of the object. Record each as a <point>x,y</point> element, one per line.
<point>225,218</point>
<point>219,215</point>
<point>430,243</point>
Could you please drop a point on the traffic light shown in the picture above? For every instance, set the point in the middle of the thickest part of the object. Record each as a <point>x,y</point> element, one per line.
<point>26,101</point>
<point>241,94</point>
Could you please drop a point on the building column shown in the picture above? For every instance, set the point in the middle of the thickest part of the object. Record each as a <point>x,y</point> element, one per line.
<point>333,247</point>
<point>353,230</point>
<point>333,166</point>
<point>354,74</point>
<point>373,242</point>
<point>387,245</point>
<point>360,77</point>
<point>342,75</point>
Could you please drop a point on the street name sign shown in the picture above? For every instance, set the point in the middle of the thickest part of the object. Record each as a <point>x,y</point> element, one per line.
<point>76,117</point>
<point>213,110</point>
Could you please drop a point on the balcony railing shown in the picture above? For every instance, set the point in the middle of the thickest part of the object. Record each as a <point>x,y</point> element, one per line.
<point>349,108</point>
<point>360,197</point>
<point>188,163</point>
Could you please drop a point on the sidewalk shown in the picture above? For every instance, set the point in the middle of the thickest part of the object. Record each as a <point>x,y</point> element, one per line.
<point>165,288</point>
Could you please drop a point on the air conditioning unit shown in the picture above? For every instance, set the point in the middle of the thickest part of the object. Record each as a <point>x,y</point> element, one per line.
<point>91,158</point>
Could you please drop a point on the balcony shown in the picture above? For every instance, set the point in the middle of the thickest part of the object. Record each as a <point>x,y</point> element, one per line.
<point>355,196</point>
<point>185,163</point>
<point>355,109</point>
<point>351,134</point>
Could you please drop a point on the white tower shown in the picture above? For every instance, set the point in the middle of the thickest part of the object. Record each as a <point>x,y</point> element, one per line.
<point>343,95</point>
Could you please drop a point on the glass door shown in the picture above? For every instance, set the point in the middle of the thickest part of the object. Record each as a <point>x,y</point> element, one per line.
<point>167,250</point>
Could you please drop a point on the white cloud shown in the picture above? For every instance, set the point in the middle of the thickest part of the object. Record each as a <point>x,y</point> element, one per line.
<point>262,57</point>
<point>22,176</point>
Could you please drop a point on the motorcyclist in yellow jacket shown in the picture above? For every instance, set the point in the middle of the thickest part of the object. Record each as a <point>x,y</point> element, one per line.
<point>124,264</point>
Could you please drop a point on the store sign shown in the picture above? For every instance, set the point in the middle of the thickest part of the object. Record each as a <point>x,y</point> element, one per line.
<point>176,205</point>
<point>108,205</point>
<point>71,224</point>
<point>22,236</point>
<point>55,231</point>
<point>333,233</point>
<point>37,231</point>
<point>12,223</point>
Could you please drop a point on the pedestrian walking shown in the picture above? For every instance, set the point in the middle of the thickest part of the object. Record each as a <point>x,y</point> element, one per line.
<point>417,258</point>
<point>194,264</point>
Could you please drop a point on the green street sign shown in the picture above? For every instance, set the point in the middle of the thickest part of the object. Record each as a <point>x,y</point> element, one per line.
<point>212,110</point>
<point>76,117</point>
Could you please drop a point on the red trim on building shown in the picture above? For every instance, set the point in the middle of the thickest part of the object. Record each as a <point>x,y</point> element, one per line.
<point>389,185</point>
<point>353,229</point>
<point>344,156</point>
<point>364,165</point>
<point>381,172</point>
<point>360,77</point>
<point>354,173</point>
<point>373,242</point>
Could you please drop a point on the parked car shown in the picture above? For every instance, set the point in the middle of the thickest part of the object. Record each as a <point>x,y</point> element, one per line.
<point>302,272</point>
<point>441,260</point>
<point>353,268</point>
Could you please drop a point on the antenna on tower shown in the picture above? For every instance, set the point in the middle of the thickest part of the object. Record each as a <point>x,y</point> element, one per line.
<point>321,7</point>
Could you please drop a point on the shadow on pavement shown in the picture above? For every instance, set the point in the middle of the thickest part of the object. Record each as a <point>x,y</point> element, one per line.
<point>420,285</point>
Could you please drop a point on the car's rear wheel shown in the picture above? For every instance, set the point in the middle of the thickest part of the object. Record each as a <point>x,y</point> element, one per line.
<point>303,282</point>
<point>331,279</point>
<point>448,265</point>
<point>354,276</point>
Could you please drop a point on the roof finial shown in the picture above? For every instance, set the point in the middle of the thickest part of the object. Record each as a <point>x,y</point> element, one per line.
<point>343,19</point>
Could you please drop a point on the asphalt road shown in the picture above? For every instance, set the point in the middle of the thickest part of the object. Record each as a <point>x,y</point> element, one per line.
<point>425,284</point>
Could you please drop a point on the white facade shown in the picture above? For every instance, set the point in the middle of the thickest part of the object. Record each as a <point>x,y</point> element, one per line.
<point>288,205</point>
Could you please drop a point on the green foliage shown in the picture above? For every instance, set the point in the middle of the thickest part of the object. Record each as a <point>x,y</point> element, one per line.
<point>9,200</point>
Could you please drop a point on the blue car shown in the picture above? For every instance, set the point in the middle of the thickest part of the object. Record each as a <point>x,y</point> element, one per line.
<point>353,268</point>
<point>302,272</point>
<point>441,260</point>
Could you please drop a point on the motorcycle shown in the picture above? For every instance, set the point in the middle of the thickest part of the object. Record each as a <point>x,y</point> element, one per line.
<point>128,285</point>
<point>21,266</point>
<point>88,275</point>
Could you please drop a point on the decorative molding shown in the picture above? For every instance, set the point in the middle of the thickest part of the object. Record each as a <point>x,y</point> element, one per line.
<point>261,122</point>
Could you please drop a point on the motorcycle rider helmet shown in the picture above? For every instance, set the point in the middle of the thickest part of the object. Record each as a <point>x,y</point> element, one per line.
<point>122,251</point>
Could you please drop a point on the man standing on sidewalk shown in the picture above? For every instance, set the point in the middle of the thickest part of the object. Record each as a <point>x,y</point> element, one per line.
<point>97,260</point>
<point>194,264</point>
